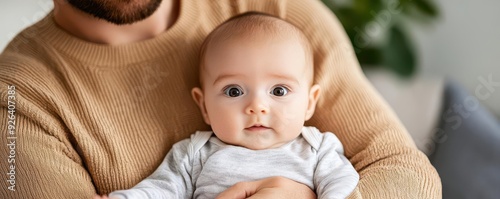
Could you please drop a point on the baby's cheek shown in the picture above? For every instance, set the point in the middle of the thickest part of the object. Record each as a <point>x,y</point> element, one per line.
<point>285,118</point>
<point>226,120</point>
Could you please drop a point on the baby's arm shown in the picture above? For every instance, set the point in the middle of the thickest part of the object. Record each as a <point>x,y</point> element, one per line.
<point>334,177</point>
<point>170,180</point>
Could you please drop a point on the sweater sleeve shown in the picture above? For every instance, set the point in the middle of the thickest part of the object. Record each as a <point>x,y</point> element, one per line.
<point>334,176</point>
<point>172,179</point>
<point>374,139</point>
<point>40,160</point>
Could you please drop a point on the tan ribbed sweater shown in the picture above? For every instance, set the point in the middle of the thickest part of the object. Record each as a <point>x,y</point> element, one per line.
<point>94,118</point>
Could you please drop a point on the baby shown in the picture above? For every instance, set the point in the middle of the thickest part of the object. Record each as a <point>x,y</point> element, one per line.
<point>257,90</point>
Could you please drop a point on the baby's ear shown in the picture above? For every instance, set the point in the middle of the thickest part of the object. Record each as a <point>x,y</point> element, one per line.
<point>314,94</point>
<point>197,94</point>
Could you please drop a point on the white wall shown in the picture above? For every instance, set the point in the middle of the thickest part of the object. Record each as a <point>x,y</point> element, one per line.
<point>15,15</point>
<point>464,44</point>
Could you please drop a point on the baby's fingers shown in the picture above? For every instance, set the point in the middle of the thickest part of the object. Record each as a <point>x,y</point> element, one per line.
<point>100,197</point>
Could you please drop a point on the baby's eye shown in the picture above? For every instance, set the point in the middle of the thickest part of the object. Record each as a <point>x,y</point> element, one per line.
<point>233,91</point>
<point>279,91</point>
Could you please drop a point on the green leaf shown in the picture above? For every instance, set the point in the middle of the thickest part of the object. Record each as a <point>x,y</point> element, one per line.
<point>348,18</point>
<point>398,54</point>
<point>365,9</point>
<point>369,57</point>
<point>426,8</point>
<point>329,4</point>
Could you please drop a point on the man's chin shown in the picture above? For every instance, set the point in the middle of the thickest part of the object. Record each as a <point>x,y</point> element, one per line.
<point>116,11</point>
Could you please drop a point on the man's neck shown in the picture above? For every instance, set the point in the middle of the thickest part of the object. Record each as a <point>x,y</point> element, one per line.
<point>89,28</point>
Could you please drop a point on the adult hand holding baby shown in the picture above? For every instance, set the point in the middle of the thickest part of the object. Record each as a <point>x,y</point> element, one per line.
<point>101,197</point>
<point>273,187</point>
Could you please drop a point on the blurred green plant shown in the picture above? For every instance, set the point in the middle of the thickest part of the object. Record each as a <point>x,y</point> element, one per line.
<point>376,30</point>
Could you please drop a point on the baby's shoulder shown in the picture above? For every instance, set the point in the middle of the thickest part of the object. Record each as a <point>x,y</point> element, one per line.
<point>316,138</point>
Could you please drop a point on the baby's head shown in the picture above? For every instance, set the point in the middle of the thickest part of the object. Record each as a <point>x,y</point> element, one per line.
<point>256,75</point>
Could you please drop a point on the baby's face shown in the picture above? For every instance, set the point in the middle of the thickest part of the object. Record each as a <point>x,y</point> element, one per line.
<point>257,94</point>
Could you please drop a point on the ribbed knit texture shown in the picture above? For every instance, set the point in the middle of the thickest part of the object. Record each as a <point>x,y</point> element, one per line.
<point>94,118</point>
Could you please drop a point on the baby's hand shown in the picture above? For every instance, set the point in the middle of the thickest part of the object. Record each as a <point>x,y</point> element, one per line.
<point>101,197</point>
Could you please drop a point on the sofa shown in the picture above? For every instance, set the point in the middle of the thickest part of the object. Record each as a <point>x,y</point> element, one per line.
<point>449,124</point>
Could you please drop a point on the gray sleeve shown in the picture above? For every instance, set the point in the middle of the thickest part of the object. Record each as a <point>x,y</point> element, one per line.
<point>170,180</point>
<point>334,177</point>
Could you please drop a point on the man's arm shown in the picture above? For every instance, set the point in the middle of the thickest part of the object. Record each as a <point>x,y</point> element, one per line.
<point>43,164</point>
<point>389,164</point>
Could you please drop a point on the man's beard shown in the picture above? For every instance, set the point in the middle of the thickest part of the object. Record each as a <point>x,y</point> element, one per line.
<point>119,12</point>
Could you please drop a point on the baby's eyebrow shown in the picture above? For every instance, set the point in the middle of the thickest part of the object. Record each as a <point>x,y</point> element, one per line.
<point>224,76</point>
<point>286,77</point>
<point>277,76</point>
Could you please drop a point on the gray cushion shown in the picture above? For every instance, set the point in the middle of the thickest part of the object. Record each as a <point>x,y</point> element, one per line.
<point>467,153</point>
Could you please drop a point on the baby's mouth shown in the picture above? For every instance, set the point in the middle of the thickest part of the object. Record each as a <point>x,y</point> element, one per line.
<point>257,127</point>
